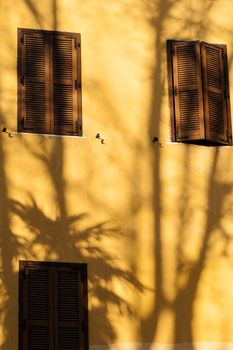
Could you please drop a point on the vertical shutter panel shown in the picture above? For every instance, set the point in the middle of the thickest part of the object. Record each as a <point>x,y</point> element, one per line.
<point>36,312</point>
<point>68,311</point>
<point>215,103</point>
<point>33,82</point>
<point>188,99</point>
<point>65,84</point>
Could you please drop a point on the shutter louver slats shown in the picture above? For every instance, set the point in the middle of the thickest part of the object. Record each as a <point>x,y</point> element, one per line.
<point>38,338</point>
<point>36,308</point>
<point>216,113</point>
<point>38,294</point>
<point>68,286</point>
<point>189,111</point>
<point>35,83</point>
<point>63,107</point>
<point>188,94</point>
<point>186,62</point>
<point>35,106</point>
<point>68,339</point>
<point>35,57</point>
<point>62,59</point>
<point>214,89</point>
<point>64,92</point>
<point>68,296</point>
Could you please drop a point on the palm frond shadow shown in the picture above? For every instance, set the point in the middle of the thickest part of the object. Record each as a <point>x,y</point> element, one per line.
<point>59,236</point>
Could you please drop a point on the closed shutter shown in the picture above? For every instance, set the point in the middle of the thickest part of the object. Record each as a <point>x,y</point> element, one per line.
<point>215,103</point>
<point>49,82</point>
<point>53,306</point>
<point>65,84</point>
<point>33,82</point>
<point>35,323</point>
<point>187,91</point>
<point>69,309</point>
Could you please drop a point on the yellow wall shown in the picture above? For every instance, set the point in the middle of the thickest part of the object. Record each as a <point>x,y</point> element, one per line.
<point>154,224</point>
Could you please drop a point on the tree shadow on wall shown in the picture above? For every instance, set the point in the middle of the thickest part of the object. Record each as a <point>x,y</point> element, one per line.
<point>181,308</point>
<point>61,239</point>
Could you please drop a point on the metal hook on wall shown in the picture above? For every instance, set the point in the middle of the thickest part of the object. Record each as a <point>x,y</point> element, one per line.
<point>156,140</point>
<point>100,138</point>
<point>4,129</point>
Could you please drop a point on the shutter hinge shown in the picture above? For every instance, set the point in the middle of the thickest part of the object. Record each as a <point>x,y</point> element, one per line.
<point>175,91</point>
<point>77,44</point>
<point>22,80</point>
<point>77,84</point>
<point>22,39</point>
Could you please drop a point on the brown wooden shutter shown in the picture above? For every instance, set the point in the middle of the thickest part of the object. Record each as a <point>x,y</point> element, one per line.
<point>215,81</point>
<point>33,84</point>
<point>187,91</point>
<point>66,84</point>
<point>69,309</point>
<point>35,313</point>
<point>49,82</point>
<point>53,306</point>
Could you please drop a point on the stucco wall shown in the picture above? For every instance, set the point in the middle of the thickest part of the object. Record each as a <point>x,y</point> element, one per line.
<point>153,223</point>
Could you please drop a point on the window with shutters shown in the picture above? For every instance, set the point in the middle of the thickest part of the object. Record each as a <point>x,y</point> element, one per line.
<point>199,93</point>
<point>49,82</point>
<point>52,306</point>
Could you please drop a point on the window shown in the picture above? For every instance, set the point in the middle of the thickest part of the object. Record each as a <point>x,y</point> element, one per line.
<point>49,82</point>
<point>52,306</point>
<point>199,92</point>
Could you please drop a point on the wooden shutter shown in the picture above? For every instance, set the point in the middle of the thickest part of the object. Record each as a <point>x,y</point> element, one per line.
<point>49,82</point>
<point>66,84</point>
<point>53,306</point>
<point>187,91</point>
<point>69,309</point>
<point>33,84</point>
<point>215,82</point>
<point>35,313</point>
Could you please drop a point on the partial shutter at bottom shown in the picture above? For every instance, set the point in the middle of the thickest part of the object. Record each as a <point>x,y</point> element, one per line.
<point>36,316</point>
<point>69,309</point>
